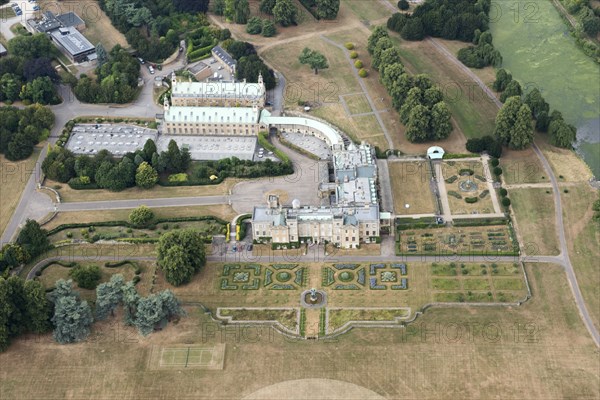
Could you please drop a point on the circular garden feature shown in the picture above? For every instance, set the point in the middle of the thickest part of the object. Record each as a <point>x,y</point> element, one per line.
<point>284,276</point>
<point>346,276</point>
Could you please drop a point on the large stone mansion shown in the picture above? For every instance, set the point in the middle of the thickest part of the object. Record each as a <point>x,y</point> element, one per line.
<point>352,218</point>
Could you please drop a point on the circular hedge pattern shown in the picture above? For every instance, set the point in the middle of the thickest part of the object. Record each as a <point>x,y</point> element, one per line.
<point>346,276</point>
<point>284,276</point>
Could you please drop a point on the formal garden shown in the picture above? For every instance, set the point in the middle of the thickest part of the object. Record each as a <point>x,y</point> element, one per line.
<point>467,187</point>
<point>496,239</point>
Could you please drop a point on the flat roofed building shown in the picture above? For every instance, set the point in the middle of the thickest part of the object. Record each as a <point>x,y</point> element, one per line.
<point>218,94</point>
<point>73,43</point>
<point>71,19</point>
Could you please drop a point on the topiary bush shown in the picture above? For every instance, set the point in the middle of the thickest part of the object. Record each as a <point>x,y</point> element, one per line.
<point>363,73</point>
<point>506,202</point>
<point>471,199</point>
<point>353,54</point>
<point>495,162</point>
<point>358,64</point>
<point>503,192</point>
<point>497,171</point>
<point>349,45</point>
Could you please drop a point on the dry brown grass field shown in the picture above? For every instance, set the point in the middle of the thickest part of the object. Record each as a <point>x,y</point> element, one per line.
<point>536,224</point>
<point>565,163</point>
<point>13,178</point>
<point>522,166</point>
<point>540,350</point>
<point>583,239</point>
<point>410,185</point>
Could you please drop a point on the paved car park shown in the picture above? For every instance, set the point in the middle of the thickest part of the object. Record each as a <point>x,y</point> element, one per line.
<point>118,139</point>
<point>121,139</point>
<point>309,143</point>
<point>213,147</point>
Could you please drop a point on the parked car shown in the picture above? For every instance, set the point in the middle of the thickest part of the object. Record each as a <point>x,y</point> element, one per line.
<point>36,8</point>
<point>268,103</point>
<point>151,69</point>
<point>141,60</point>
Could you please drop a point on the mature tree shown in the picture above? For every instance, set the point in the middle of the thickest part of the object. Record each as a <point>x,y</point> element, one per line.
<point>562,134</point>
<point>155,310</point>
<point>377,34</point>
<point>266,6</point>
<point>141,216</point>
<point>10,86</point>
<point>33,238</point>
<point>413,99</point>
<point>149,149</point>
<point>87,277</point>
<point>180,255</point>
<point>242,12</point>
<point>36,306</point>
<point>191,6</point>
<point>418,124</point>
<point>146,176</point>
<point>328,9</point>
<point>397,21</point>
<point>400,89</point>
<point>432,96</point>
<point>72,317</point>
<point>12,255</point>
<point>219,7</point>
<point>503,78</point>
<point>130,302</point>
<point>522,132</point>
<point>101,54</point>
<point>382,44</point>
<point>505,119</point>
<point>254,26</point>
<point>542,121</point>
<point>536,103</point>
<point>30,47</point>
<point>313,58</point>
<point>390,73</point>
<point>441,125</point>
<point>285,12</point>
<point>268,28</point>
<point>512,89</point>
<point>387,58</point>
<point>108,296</point>
<point>413,29</point>
<point>39,67</point>
<point>40,90</point>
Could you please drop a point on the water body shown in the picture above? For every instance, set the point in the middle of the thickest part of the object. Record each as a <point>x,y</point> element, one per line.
<point>539,52</point>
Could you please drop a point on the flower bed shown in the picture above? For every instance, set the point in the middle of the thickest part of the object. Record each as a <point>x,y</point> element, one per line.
<point>282,287</point>
<point>361,276</point>
<point>452,179</point>
<point>268,277</point>
<point>345,266</point>
<point>402,286</point>
<point>401,267</point>
<point>255,285</point>
<point>283,266</point>
<point>374,286</point>
<point>351,286</point>
<point>327,276</point>
<point>374,267</point>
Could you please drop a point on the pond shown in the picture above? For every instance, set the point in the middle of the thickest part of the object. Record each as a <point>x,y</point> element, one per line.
<point>538,50</point>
